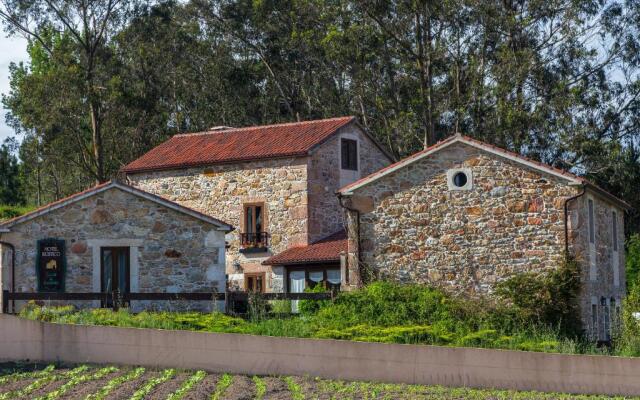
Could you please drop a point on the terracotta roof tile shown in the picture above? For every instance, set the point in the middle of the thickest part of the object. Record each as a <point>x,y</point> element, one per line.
<point>327,249</point>
<point>237,144</point>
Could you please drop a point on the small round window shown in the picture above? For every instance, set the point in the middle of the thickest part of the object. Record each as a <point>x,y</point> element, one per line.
<point>460,179</point>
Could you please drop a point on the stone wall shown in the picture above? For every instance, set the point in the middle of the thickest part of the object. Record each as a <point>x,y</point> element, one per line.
<point>169,251</point>
<point>413,228</point>
<point>326,176</point>
<point>598,275</point>
<point>222,190</point>
<point>418,230</point>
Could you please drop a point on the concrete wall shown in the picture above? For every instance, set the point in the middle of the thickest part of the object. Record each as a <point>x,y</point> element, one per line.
<point>23,339</point>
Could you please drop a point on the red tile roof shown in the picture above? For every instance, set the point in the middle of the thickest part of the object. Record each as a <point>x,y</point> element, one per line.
<point>238,144</point>
<point>324,250</point>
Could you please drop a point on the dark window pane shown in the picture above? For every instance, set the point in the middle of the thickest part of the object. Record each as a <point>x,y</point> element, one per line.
<point>615,231</point>
<point>349,151</point>
<point>258,219</point>
<point>592,232</point>
<point>248,219</point>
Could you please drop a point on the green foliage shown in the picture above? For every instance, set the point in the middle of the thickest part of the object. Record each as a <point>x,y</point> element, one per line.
<point>10,183</point>
<point>8,212</point>
<point>294,388</point>
<point>187,385</point>
<point>261,387</point>
<point>75,380</point>
<point>550,299</point>
<point>114,383</point>
<point>628,344</point>
<point>221,387</point>
<point>633,261</point>
<point>152,383</point>
<point>310,307</point>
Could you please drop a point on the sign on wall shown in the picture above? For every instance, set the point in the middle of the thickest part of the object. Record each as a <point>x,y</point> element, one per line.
<point>51,265</point>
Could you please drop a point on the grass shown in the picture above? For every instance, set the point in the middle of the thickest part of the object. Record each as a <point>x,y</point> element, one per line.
<point>297,387</point>
<point>381,312</point>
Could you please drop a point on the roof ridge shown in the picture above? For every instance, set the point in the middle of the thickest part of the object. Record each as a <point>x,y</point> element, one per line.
<point>308,122</point>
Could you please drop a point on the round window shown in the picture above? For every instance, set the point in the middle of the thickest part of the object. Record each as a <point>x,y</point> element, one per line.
<point>460,179</point>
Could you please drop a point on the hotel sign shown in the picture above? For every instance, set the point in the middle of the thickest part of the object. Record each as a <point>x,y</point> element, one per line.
<point>51,265</point>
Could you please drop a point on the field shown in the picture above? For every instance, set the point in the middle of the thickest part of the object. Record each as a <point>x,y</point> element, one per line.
<point>90,382</point>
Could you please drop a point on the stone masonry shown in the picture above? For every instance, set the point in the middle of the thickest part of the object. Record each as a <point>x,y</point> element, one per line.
<point>298,195</point>
<point>171,251</point>
<point>413,228</point>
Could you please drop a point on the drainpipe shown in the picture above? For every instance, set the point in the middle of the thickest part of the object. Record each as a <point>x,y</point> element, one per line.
<point>566,218</point>
<point>340,197</point>
<point>13,270</point>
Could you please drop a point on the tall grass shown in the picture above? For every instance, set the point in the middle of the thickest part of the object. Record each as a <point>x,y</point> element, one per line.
<point>381,312</point>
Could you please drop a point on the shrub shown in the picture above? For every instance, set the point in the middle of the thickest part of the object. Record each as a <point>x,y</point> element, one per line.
<point>549,299</point>
<point>8,212</point>
<point>633,261</point>
<point>628,343</point>
<point>311,307</point>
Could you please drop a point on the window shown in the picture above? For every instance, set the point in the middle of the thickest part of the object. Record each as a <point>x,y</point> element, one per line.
<point>594,319</point>
<point>592,229</point>
<point>459,179</point>
<point>253,218</point>
<point>614,226</point>
<point>310,277</point>
<point>254,235</point>
<point>254,282</point>
<point>114,272</point>
<point>349,151</point>
<point>607,319</point>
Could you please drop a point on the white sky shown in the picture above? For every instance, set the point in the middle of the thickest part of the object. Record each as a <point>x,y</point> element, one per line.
<point>12,49</point>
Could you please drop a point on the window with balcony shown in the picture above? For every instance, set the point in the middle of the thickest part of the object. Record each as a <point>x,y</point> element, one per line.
<point>254,237</point>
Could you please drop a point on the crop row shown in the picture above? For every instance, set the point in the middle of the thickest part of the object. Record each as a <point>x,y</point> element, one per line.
<point>99,383</point>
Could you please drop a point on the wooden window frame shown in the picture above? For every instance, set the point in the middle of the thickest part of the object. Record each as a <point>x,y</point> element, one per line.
<point>263,275</point>
<point>349,160</point>
<point>253,205</point>
<point>306,270</point>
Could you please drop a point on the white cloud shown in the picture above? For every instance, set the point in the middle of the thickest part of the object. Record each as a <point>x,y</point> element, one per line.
<point>13,49</point>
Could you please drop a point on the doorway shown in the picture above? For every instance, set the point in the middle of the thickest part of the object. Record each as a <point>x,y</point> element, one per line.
<point>114,272</point>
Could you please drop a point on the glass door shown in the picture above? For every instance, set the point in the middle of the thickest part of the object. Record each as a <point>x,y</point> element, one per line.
<point>115,271</point>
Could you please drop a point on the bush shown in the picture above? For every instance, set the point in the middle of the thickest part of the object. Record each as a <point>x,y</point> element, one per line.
<point>549,299</point>
<point>8,212</point>
<point>633,261</point>
<point>628,343</point>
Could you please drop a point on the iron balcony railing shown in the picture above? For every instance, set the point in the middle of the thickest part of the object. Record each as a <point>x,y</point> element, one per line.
<point>257,240</point>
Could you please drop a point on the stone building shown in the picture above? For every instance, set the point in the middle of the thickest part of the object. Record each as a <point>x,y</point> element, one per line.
<point>114,234</point>
<point>277,184</point>
<point>465,215</point>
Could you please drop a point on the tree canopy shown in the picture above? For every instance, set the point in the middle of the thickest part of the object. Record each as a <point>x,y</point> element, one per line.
<point>555,80</point>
